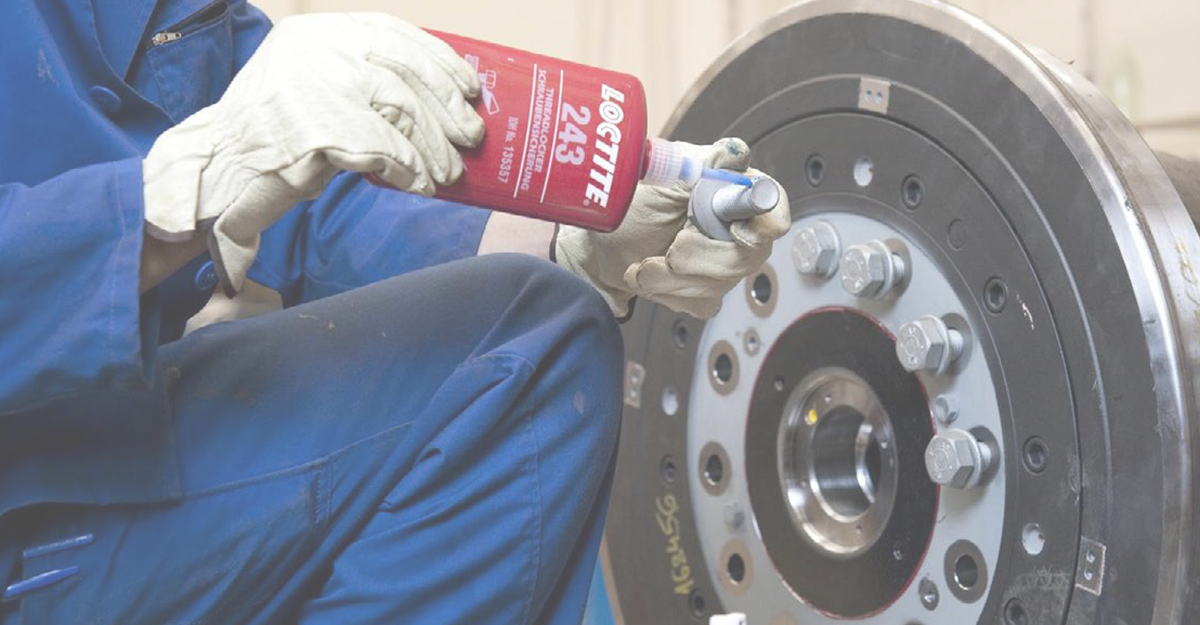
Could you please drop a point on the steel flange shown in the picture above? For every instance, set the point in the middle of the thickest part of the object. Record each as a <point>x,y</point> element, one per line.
<point>1015,209</point>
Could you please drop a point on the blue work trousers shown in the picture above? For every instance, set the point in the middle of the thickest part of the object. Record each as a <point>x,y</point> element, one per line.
<point>434,448</point>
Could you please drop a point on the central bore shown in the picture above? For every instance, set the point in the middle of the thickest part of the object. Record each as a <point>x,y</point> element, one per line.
<point>845,462</point>
<point>838,462</point>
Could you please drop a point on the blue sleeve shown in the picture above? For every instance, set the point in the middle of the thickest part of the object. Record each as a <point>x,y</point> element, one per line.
<point>70,255</point>
<point>356,234</point>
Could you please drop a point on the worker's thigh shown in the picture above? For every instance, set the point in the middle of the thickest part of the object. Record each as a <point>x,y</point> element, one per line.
<point>481,395</point>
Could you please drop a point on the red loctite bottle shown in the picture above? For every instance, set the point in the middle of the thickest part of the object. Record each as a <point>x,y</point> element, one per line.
<point>564,142</point>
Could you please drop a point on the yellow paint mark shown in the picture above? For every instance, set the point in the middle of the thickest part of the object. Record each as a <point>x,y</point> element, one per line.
<point>811,417</point>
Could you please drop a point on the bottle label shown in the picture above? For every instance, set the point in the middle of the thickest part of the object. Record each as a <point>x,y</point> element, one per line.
<point>564,141</point>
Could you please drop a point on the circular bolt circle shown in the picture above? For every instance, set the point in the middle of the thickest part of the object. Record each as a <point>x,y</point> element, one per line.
<point>814,170</point>
<point>1036,455</point>
<point>995,295</point>
<point>912,191</point>
<point>929,593</point>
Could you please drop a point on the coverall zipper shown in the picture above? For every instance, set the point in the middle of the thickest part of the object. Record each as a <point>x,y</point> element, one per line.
<point>190,24</point>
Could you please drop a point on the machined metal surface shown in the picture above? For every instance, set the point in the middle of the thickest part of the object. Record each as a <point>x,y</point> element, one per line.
<point>1049,238</point>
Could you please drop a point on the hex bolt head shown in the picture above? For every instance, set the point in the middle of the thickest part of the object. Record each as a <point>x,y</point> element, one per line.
<point>815,250</point>
<point>926,344</point>
<point>955,458</point>
<point>870,269</point>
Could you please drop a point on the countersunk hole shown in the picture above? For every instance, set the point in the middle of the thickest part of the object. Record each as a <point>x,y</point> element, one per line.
<point>714,470</point>
<point>1033,539</point>
<point>761,288</point>
<point>956,234</point>
<point>864,171</point>
<point>1037,455</point>
<point>697,603</point>
<point>736,567</point>
<point>912,191</point>
<point>815,170</point>
<point>995,295</point>
<point>966,572</point>
<point>667,469</point>
<point>679,334</point>
<point>1015,614</point>
<point>723,369</point>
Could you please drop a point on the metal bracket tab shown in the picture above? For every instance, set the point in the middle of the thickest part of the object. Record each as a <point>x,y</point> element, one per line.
<point>873,94</point>
<point>1089,574</point>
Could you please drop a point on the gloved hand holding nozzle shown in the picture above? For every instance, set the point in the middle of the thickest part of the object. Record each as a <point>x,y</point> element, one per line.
<point>663,252</point>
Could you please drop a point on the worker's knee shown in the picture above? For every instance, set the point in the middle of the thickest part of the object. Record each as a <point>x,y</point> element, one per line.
<point>583,342</point>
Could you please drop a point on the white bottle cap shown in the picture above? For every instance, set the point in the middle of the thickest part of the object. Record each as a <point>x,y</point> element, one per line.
<point>669,163</point>
<point>733,618</point>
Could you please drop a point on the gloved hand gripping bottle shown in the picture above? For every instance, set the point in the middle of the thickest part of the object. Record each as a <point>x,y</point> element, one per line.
<point>567,143</point>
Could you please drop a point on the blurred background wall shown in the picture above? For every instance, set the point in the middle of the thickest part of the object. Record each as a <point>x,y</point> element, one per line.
<point>1142,53</point>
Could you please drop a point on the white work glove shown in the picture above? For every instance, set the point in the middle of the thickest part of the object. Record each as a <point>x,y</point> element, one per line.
<point>325,92</point>
<point>657,253</point>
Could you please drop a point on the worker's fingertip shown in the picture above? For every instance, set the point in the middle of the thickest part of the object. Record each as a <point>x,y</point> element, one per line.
<point>729,153</point>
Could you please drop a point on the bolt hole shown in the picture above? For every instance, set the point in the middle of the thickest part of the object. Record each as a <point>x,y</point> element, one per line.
<point>995,295</point>
<point>670,401</point>
<point>778,383</point>
<point>736,567</point>
<point>864,171</point>
<point>815,170</point>
<point>697,603</point>
<point>929,593</point>
<point>966,572</point>
<point>912,191</point>
<point>761,288</point>
<point>714,470</point>
<point>1033,539</point>
<point>723,369</point>
<point>667,469</point>
<point>679,334</point>
<point>1037,455</point>
<point>1015,614</point>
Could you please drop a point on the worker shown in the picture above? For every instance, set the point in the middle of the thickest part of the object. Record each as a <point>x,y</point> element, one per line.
<point>421,435</point>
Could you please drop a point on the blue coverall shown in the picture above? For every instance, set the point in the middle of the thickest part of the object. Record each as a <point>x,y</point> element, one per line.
<point>420,436</point>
